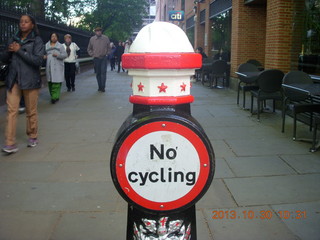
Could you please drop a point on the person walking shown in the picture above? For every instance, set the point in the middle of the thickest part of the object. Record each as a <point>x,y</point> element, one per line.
<point>70,62</point>
<point>200,50</point>
<point>55,54</point>
<point>127,46</point>
<point>198,72</point>
<point>24,55</point>
<point>99,48</point>
<point>112,56</point>
<point>119,53</point>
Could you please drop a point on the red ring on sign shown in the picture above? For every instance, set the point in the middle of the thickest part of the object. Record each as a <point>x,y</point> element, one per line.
<point>182,130</point>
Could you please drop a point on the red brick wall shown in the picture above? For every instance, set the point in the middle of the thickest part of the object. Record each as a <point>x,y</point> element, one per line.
<point>201,30</point>
<point>283,39</point>
<point>200,33</point>
<point>248,33</point>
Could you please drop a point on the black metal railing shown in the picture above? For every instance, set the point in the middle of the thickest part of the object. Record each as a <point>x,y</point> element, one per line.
<point>9,20</point>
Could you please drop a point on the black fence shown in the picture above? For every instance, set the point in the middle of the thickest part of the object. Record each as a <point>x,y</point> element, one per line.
<point>9,22</point>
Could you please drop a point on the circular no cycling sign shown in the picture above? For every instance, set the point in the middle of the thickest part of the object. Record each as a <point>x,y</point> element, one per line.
<point>162,166</point>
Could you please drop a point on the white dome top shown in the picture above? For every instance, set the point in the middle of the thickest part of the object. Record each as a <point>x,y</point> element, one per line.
<point>160,37</point>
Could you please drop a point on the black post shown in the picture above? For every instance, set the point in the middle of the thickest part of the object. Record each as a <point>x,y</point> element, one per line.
<point>180,225</point>
<point>162,162</point>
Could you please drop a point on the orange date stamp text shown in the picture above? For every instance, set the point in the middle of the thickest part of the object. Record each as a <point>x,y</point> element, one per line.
<point>263,214</point>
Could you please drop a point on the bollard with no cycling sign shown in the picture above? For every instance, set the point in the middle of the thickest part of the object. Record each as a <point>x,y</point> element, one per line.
<point>162,162</point>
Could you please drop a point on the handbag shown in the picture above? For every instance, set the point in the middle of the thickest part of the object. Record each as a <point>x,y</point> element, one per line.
<point>77,66</point>
<point>4,69</point>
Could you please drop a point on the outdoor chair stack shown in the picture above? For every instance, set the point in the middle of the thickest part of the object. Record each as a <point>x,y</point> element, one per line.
<point>316,123</point>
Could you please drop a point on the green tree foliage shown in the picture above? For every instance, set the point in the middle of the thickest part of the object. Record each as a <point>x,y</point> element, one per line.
<point>56,10</point>
<point>221,29</point>
<point>25,6</point>
<point>117,18</point>
<point>65,10</point>
<point>312,27</point>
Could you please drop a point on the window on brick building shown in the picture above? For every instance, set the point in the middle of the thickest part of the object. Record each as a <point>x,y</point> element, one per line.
<point>221,34</point>
<point>309,59</point>
<point>190,29</point>
<point>183,4</point>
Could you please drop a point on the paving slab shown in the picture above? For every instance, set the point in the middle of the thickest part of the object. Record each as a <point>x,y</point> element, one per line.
<point>209,121</point>
<point>275,189</point>
<point>58,196</point>
<point>223,170</point>
<point>91,171</point>
<point>217,195</point>
<point>263,146</point>
<point>225,111</point>
<point>26,171</point>
<point>26,225</point>
<point>222,149</point>
<point>303,219</point>
<point>203,229</point>
<point>259,166</point>
<point>304,163</point>
<point>80,151</point>
<point>91,225</point>
<point>239,132</point>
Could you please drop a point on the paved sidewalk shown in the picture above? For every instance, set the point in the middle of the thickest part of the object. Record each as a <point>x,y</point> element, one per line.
<point>62,189</point>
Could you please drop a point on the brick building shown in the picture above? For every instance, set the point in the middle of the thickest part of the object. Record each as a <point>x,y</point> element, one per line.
<point>270,31</point>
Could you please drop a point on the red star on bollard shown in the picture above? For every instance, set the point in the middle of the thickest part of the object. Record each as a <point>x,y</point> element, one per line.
<point>162,88</point>
<point>183,87</point>
<point>140,87</point>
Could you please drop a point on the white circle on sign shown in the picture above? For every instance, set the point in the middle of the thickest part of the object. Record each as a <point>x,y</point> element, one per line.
<point>162,166</point>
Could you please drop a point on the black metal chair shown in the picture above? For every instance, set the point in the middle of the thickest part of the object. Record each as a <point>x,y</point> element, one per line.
<point>206,69</point>
<point>295,100</point>
<point>246,84</point>
<point>315,144</point>
<point>314,110</point>
<point>269,83</point>
<point>219,70</point>
<point>197,74</point>
<point>256,63</point>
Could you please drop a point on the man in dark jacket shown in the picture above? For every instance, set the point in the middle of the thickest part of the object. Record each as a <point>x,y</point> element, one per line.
<point>24,55</point>
<point>119,53</point>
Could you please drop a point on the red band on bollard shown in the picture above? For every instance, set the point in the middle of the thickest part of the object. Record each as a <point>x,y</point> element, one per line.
<point>161,100</point>
<point>161,60</point>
